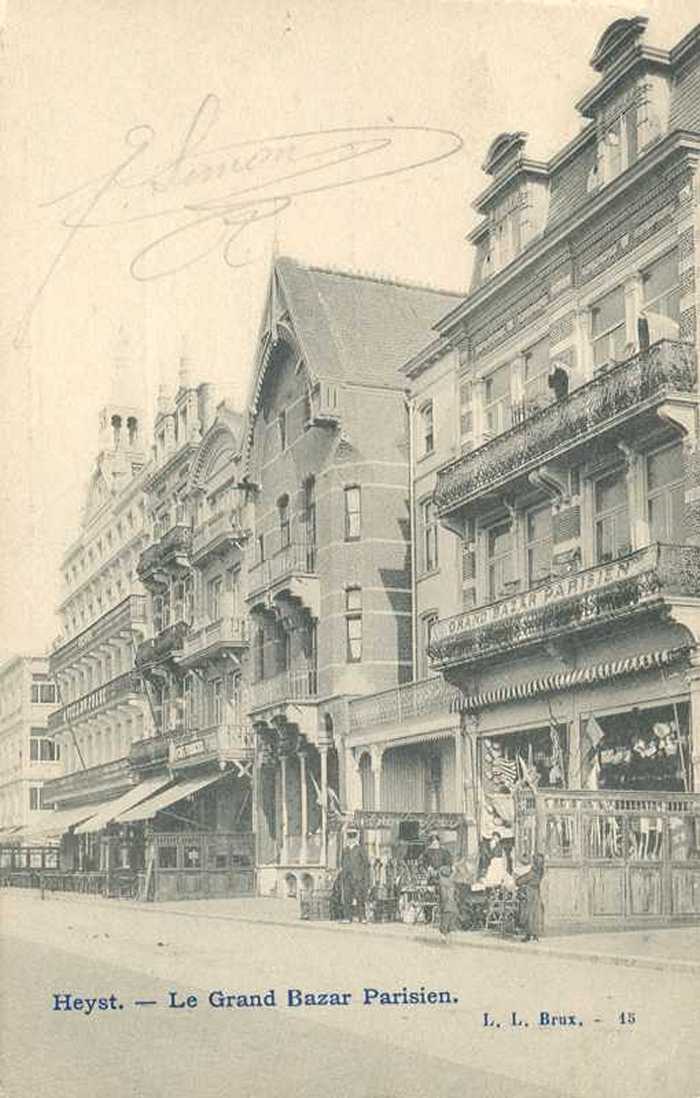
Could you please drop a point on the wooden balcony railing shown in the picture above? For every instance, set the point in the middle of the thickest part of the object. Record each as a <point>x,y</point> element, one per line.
<point>401,703</point>
<point>626,389</point>
<point>216,533</point>
<point>171,551</point>
<point>590,597</point>
<point>207,640</point>
<point>295,559</point>
<point>287,687</point>
<point>162,647</point>
<point>94,779</point>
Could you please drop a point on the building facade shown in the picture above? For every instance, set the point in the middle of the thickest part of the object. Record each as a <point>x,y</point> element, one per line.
<point>28,755</point>
<point>575,494</point>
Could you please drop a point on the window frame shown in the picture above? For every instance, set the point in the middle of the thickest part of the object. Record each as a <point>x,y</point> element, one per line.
<point>426,411</point>
<point>352,516</point>
<point>353,618</point>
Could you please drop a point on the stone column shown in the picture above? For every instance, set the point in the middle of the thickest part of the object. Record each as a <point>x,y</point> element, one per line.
<point>353,781</point>
<point>377,753</point>
<point>459,771</point>
<point>285,815</point>
<point>303,795</point>
<point>323,751</point>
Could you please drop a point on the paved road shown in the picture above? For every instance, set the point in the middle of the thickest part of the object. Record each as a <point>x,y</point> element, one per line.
<point>358,1051</point>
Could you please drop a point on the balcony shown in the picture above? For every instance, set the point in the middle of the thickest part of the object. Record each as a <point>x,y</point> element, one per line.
<point>592,598</point>
<point>210,642</point>
<point>411,701</point>
<point>95,783</point>
<point>623,393</point>
<point>149,753</point>
<point>124,688</point>
<point>325,405</point>
<point>168,556</point>
<point>217,536</point>
<point>219,743</point>
<point>291,573</point>
<point>119,620</point>
<point>290,697</point>
<point>163,648</point>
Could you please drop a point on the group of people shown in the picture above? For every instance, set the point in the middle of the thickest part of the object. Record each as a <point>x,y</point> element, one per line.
<point>493,869</point>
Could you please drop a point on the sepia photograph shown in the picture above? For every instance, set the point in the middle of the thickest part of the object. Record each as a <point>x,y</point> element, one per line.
<point>350,549</point>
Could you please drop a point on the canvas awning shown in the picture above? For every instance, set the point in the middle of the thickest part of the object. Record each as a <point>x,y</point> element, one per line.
<point>109,812</point>
<point>57,822</point>
<point>147,809</point>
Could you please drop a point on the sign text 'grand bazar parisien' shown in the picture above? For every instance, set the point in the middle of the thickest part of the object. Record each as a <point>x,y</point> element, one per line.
<point>578,584</point>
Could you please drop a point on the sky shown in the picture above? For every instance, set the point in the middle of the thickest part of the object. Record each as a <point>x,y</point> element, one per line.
<point>135,132</point>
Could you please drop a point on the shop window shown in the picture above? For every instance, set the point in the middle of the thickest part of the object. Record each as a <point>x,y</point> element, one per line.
<point>559,837</point>
<point>536,390</point>
<point>661,287</point>
<point>466,416</point>
<point>353,624</point>
<point>536,756</point>
<point>283,518</point>
<point>215,589</point>
<point>353,517</point>
<point>500,560</point>
<point>612,526</point>
<point>608,329</point>
<point>429,538</point>
<point>604,837</point>
<point>497,401</point>
<point>641,749</point>
<point>427,428</point>
<point>539,545</point>
<point>666,494</point>
<point>167,857</point>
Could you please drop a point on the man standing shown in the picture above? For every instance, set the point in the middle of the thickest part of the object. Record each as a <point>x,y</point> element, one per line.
<point>354,875</point>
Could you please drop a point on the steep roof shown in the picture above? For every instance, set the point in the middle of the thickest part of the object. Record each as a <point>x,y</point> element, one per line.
<point>355,328</point>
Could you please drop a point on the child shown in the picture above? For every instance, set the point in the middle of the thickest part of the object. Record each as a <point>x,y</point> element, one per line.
<point>449,914</point>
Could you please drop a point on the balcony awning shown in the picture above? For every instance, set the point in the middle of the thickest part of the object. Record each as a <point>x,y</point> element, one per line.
<point>147,809</point>
<point>111,810</point>
<point>57,823</point>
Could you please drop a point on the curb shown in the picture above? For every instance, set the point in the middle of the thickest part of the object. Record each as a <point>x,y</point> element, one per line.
<point>464,941</point>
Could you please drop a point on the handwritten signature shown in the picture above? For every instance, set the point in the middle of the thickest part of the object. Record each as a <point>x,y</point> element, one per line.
<point>214,194</point>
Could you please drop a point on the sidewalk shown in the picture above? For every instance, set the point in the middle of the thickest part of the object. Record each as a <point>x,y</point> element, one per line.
<point>667,949</point>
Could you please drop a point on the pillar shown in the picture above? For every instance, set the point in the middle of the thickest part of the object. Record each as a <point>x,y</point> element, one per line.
<point>303,794</point>
<point>285,815</point>
<point>459,771</point>
<point>377,753</point>
<point>353,781</point>
<point>323,751</point>
<point>693,763</point>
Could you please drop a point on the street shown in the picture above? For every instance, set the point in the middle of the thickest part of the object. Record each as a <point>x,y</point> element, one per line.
<point>91,950</point>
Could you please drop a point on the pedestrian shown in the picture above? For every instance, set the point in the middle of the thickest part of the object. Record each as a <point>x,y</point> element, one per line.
<point>531,907</point>
<point>435,856</point>
<point>449,912</point>
<point>354,877</point>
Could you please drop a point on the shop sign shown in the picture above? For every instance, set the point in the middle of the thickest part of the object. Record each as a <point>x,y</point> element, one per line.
<point>182,751</point>
<point>581,583</point>
<point>430,821</point>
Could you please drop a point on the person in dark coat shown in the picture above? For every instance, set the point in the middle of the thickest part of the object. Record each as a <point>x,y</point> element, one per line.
<point>354,877</point>
<point>449,912</point>
<point>531,908</point>
<point>434,857</point>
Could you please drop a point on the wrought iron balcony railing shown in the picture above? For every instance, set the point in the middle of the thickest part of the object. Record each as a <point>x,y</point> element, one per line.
<point>626,389</point>
<point>167,644</point>
<point>171,552</point>
<point>291,686</point>
<point>119,689</point>
<point>583,599</point>
<point>295,559</point>
<point>401,703</point>
<point>208,641</point>
<point>218,533</point>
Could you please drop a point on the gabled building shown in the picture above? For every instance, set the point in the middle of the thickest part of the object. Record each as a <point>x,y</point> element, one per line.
<point>325,459</point>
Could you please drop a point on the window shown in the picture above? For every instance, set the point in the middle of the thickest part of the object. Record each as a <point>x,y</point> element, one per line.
<point>608,328</point>
<point>260,653</point>
<point>427,623</point>
<point>497,401</point>
<point>661,287</point>
<point>283,512</point>
<point>260,549</point>
<point>35,798</point>
<point>427,428</point>
<point>43,692</point>
<point>539,545</point>
<point>233,587</point>
<point>612,528</point>
<point>42,749</point>
<point>353,624</point>
<point>233,694</point>
<point>310,510</point>
<point>430,536</point>
<point>353,517</point>
<point>282,429</point>
<point>666,494</point>
<point>217,701</point>
<point>215,589</point>
<point>535,374</point>
<point>500,560</point>
<point>466,416</point>
<point>187,701</point>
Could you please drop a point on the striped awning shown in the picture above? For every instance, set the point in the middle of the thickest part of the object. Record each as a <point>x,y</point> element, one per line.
<point>563,680</point>
<point>147,809</point>
<point>110,811</point>
<point>56,823</point>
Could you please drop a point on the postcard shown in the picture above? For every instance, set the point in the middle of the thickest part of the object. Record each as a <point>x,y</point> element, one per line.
<point>350,553</point>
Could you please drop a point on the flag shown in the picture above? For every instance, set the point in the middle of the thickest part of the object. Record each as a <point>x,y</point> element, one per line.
<point>592,737</point>
<point>557,752</point>
<point>530,775</point>
<point>504,772</point>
